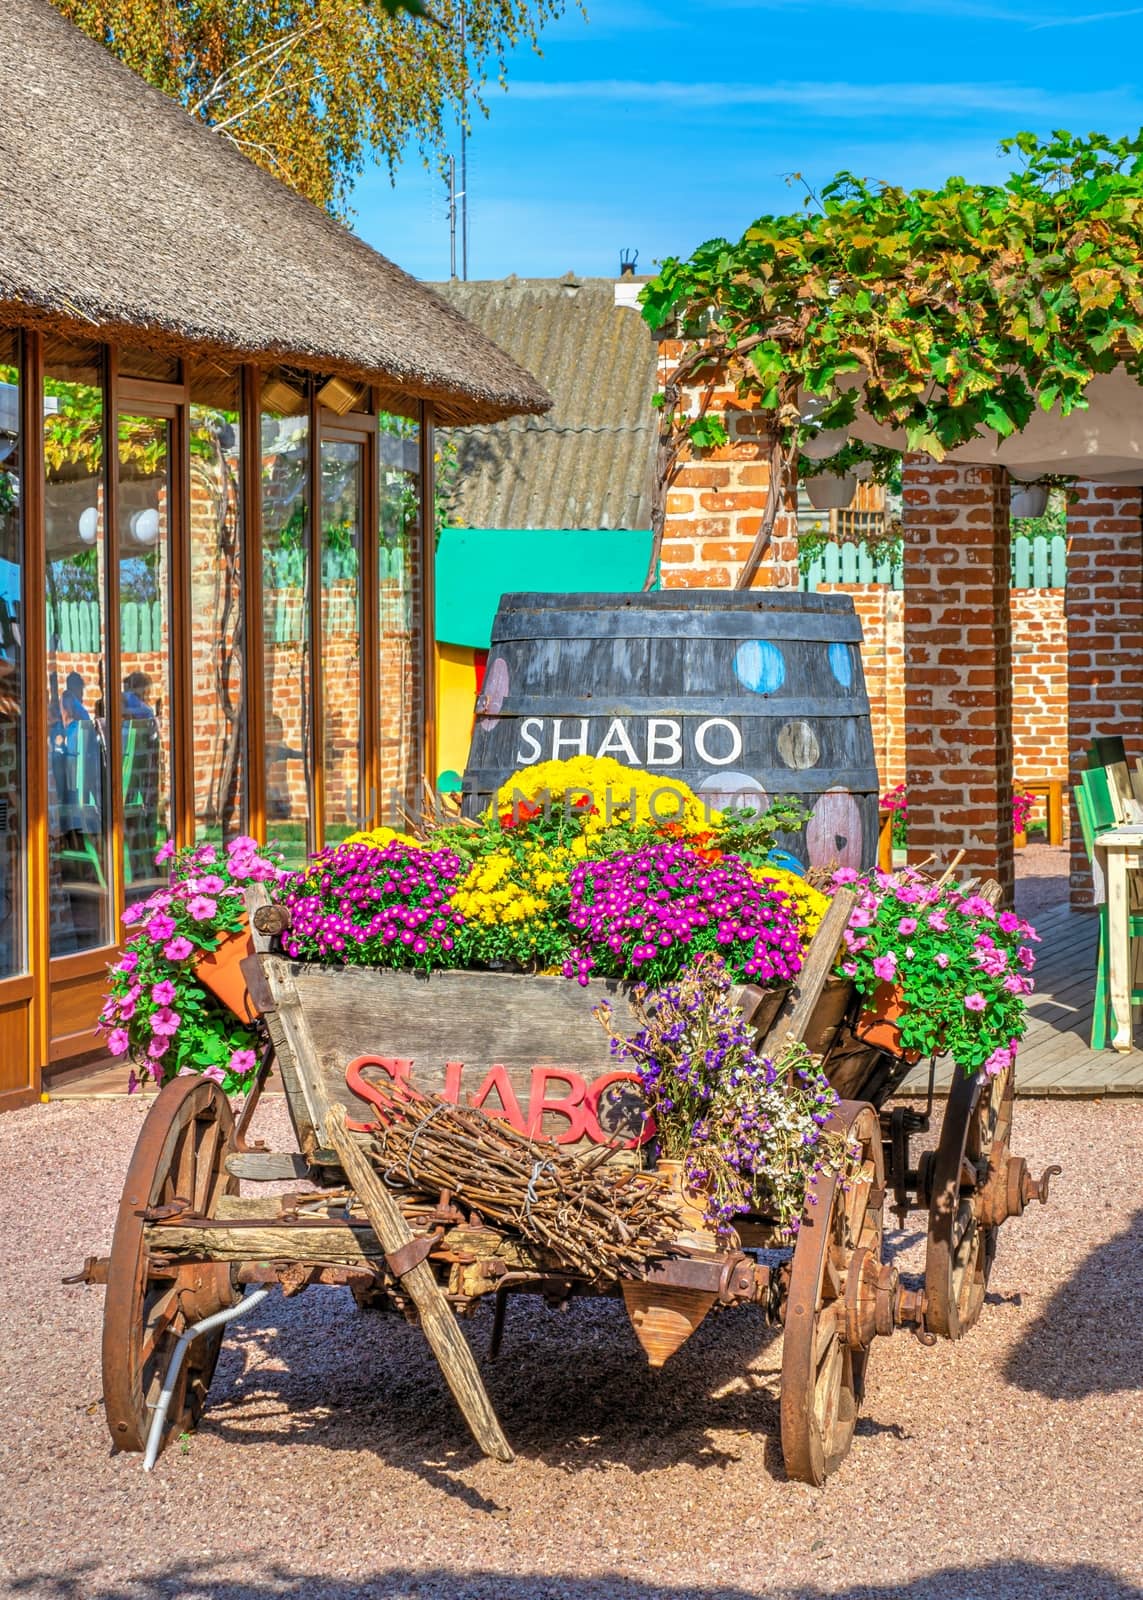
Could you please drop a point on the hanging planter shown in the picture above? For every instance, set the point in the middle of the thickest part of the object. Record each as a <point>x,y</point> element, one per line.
<point>830,491</point>
<point>820,446</point>
<point>1029,500</point>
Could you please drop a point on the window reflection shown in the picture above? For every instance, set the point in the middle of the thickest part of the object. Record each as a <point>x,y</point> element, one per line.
<point>286,611</point>
<point>145,646</point>
<point>218,726</point>
<point>78,791</point>
<point>342,501</point>
<point>12,942</point>
<point>399,568</point>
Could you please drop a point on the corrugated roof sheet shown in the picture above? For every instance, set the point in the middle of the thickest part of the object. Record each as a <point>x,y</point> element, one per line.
<point>587,464</point>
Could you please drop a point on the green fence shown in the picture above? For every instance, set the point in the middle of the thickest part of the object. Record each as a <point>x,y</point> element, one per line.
<point>1039,563</point>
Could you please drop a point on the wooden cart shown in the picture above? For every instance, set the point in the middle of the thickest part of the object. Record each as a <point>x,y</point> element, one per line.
<point>186,1244</point>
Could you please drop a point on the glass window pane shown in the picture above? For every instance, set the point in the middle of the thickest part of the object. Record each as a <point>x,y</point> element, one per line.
<point>217,633</point>
<point>342,502</point>
<point>401,645</point>
<point>13,944</point>
<point>146,766</point>
<point>286,612</point>
<point>79,813</point>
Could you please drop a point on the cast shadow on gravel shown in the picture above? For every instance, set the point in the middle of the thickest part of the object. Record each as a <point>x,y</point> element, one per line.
<point>1086,1340</point>
<point>1002,1580</point>
<point>572,1389</point>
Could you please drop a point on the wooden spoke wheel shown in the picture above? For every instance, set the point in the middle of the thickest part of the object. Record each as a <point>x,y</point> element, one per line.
<point>835,1279</point>
<point>179,1157</point>
<point>961,1247</point>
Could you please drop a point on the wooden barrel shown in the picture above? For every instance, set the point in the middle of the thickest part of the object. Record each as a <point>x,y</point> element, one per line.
<point>745,697</point>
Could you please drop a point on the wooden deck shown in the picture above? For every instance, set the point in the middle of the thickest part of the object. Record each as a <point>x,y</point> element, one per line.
<point>1054,1058</point>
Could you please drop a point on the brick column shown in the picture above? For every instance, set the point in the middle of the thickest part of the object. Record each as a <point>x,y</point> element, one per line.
<point>716,499</point>
<point>1103,604</point>
<point>958,665</point>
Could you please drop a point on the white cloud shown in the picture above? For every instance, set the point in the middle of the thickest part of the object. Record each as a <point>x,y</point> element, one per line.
<point>1091,16</point>
<point>836,99</point>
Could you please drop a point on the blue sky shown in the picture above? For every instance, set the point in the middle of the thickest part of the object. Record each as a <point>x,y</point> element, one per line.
<point>656,126</point>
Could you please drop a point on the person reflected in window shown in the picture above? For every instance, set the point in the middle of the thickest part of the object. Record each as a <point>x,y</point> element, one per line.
<point>76,763</point>
<point>142,777</point>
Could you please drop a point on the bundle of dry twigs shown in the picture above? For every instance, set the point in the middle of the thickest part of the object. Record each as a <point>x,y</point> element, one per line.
<point>598,1221</point>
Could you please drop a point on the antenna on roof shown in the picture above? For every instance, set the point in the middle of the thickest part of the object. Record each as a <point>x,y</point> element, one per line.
<point>463,146</point>
<point>452,216</point>
<point>627,260</point>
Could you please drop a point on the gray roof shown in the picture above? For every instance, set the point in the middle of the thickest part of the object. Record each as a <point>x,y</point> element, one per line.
<point>122,212</point>
<point>588,463</point>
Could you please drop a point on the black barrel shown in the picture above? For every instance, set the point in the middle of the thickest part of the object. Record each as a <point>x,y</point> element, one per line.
<point>745,697</point>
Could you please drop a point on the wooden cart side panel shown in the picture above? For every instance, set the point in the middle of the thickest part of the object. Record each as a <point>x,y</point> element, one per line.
<point>528,1049</point>
<point>294,1047</point>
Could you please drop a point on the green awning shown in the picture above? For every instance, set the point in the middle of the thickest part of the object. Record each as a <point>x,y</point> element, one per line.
<point>475,566</point>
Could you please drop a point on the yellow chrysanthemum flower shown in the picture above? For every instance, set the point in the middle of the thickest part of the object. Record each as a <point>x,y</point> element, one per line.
<point>619,794</point>
<point>809,904</point>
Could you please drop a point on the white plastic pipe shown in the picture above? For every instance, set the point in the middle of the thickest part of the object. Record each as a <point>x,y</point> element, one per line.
<point>218,1320</point>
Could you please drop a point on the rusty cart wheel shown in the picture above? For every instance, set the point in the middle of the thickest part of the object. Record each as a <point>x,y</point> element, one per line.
<point>179,1157</point>
<point>840,1297</point>
<point>963,1226</point>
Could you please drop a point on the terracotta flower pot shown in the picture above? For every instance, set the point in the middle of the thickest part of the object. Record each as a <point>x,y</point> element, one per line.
<point>878,1022</point>
<point>220,971</point>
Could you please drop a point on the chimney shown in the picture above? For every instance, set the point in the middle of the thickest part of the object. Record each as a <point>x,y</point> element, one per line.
<point>626,288</point>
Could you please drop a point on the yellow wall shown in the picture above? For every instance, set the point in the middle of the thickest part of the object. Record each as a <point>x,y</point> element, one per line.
<point>456,696</point>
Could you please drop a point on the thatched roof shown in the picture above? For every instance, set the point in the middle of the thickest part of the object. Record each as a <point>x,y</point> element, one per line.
<point>123,212</point>
<point>588,463</point>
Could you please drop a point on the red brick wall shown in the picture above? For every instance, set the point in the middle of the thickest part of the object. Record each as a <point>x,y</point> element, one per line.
<point>716,500</point>
<point>958,664</point>
<point>1105,627</point>
<point>1039,678</point>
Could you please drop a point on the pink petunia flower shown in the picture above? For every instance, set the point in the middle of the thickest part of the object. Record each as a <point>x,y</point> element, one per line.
<point>907,925</point>
<point>132,915</point>
<point>215,1074</point>
<point>885,967</point>
<point>118,1042</point>
<point>242,1062</point>
<point>160,927</point>
<point>939,920</point>
<point>165,1021</point>
<point>164,852</point>
<point>941,959</point>
<point>1008,922</point>
<point>158,1047</point>
<point>127,963</point>
<point>163,993</point>
<point>845,875</point>
<point>974,1001</point>
<point>179,948</point>
<point>201,908</point>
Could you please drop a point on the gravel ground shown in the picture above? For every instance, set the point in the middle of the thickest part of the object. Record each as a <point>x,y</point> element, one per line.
<point>331,1463</point>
